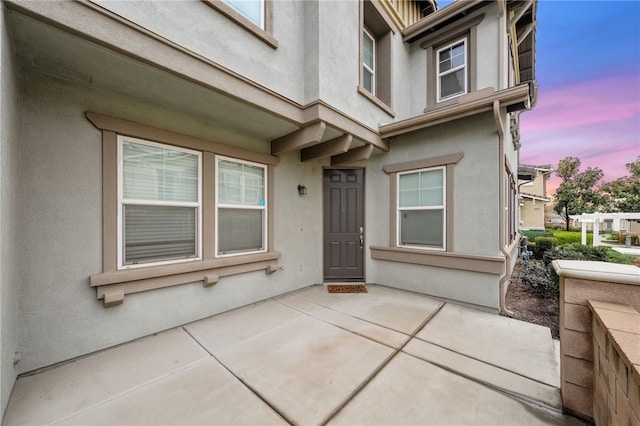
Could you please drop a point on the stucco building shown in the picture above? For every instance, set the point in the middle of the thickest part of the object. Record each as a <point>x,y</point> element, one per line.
<point>532,193</point>
<point>162,162</point>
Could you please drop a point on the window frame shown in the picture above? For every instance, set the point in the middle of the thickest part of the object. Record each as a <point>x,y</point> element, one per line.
<point>261,24</point>
<point>263,208</point>
<point>440,75</point>
<point>122,201</point>
<point>263,32</point>
<point>467,29</point>
<point>111,283</point>
<point>365,67</point>
<point>376,24</point>
<point>442,207</point>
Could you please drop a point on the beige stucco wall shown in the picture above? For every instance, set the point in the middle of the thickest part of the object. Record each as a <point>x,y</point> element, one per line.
<point>476,209</point>
<point>9,233</point>
<point>317,55</point>
<point>58,165</point>
<point>60,230</point>
<point>536,187</point>
<point>531,214</point>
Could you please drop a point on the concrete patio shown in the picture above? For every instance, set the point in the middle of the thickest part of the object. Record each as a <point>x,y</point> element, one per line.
<point>386,357</point>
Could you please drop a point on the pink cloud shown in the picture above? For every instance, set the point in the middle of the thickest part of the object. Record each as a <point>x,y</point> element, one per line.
<point>597,121</point>
<point>595,101</point>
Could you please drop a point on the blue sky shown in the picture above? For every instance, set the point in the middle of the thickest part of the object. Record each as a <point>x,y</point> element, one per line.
<point>588,74</point>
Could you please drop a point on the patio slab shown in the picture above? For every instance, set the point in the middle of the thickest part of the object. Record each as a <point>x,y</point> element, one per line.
<point>487,374</point>
<point>306,369</point>
<point>310,357</point>
<point>520,347</point>
<point>202,394</point>
<point>70,388</point>
<point>410,391</point>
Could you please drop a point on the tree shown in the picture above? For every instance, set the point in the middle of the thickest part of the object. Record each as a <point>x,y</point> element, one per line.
<point>577,193</point>
<point>623,194</point>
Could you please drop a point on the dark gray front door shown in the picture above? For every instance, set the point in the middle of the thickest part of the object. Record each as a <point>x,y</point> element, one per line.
<point>343,224</point>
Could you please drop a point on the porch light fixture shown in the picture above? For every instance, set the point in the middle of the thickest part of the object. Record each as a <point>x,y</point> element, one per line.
<point>302,190</point>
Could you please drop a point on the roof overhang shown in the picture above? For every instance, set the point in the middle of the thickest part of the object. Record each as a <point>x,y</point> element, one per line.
<point>89,46</point>
<point>514,99</point>
<point>534,197</point>
<point>441,18</point>
<point>521,15</point>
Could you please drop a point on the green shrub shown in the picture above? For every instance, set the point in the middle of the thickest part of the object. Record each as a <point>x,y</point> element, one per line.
<point>615,257</point>
<point>543,244</point>
<point>577,251</point>
<point>570,237</point>
<point>536,275</point>
<point>532,235</point>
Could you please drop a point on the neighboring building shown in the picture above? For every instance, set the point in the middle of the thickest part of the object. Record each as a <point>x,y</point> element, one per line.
<point>532,185</point>
<point>163,162</point>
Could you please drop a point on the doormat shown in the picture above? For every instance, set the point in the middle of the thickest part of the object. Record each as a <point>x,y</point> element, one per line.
<point>346,288</point>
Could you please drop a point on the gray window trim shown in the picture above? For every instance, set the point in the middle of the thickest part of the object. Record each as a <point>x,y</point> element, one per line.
<point>264,34</point>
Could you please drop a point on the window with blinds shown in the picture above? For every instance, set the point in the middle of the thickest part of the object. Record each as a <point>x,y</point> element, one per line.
<point>241,207</point>
<point>159,203</point>
<point>421,208</point>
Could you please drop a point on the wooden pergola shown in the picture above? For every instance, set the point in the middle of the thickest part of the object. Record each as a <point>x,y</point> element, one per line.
<point>596,218</point>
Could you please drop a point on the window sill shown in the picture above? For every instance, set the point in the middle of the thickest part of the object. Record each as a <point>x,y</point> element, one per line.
<point>460,261</point>
<point>386,108</point>
<point>112,286</point>
<point>264,35</point>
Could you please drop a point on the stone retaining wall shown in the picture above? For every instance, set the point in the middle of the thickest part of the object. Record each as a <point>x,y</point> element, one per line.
<point>580,282</point>
<point>616,359</point>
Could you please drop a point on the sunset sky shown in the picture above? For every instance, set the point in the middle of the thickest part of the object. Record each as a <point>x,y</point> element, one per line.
<point>588,74</point>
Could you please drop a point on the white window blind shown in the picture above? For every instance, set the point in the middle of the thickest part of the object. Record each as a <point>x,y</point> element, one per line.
<point>241,206</point>
<point>159,202</point>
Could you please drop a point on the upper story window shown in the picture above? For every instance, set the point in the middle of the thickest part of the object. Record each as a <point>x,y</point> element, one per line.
<point>159,203</point>
<point>422,208</point>
<point>452,62</point>
<point>368,62</point>
<point>375,56</point>
<point>242,207</point>
<point>253,10</point>
<point>452,70</point>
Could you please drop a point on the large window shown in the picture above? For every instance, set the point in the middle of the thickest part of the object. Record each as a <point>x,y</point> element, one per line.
<point>421,208</point>
<point>159,197</point>
<point>177,209</point>
<point>452,70</point>
<point>241,206</point>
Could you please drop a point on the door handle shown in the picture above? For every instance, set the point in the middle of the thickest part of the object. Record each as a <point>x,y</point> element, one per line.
<point>361,237</point>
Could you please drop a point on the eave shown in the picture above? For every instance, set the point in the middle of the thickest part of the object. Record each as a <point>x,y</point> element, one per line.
<point>514,99</point>
<point>535,197</point>
<point>90,46</point>
<point>439,19</point>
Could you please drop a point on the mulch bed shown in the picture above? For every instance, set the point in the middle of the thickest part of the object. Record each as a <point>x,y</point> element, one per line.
<point>531,306</point>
